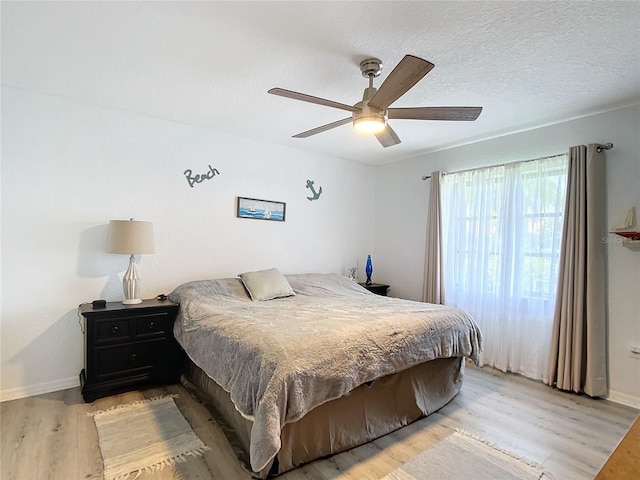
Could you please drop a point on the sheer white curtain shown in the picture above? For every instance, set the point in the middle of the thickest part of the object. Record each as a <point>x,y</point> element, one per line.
<point>502,229</point>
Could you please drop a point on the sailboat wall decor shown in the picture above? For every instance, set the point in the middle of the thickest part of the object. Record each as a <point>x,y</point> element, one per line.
<point>260,209</point>
<point>628,221</point>
<point>625,228</point>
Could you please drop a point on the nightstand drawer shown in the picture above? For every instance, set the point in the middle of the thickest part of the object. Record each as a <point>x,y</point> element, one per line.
<point>128,358</point>
<point>151,325</point>
<point>112,330</point>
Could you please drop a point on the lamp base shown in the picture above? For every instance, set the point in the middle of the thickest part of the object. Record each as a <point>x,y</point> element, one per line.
<point>131,301</point>
<point>130,284</point>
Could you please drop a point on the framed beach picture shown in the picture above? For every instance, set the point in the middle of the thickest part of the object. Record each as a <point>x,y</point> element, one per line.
<point>260,209</point>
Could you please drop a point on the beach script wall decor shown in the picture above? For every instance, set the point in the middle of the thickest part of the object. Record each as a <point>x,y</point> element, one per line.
<point>199,178</point>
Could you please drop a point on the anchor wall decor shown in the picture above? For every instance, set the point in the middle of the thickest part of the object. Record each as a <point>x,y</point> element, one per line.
<point>316,195</point>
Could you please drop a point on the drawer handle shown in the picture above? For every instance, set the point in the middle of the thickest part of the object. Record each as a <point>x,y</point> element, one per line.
<point>151,325</point>
<point>114,330</point>
<point>133,358</point>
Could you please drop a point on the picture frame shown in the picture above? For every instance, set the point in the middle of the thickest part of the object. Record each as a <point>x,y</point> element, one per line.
<point>258,209</point>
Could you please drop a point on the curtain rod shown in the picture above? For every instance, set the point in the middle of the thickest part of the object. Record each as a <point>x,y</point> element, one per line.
<point>599,148</point>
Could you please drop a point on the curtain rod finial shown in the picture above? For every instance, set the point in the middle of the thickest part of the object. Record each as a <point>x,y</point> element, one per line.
<point>606,146</point>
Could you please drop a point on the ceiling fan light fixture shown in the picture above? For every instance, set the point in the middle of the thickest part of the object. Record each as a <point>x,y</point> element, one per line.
<point>369,124</point>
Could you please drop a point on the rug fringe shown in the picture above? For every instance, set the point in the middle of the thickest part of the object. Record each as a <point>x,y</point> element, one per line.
<point>169,462</point>
<point>542,476</point>
<point>130,405</point>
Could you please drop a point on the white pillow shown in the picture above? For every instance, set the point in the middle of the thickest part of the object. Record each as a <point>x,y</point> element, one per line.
<point>266,284</point>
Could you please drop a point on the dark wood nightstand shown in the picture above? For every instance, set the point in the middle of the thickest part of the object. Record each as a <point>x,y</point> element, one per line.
<point>377,288</point>
<point>126,345</point>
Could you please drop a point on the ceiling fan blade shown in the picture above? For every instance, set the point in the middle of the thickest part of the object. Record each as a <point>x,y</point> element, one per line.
<point>388,137</point>
<point>406,74</point>
<point>436,113</point>
<point>311,99</point>
<point>324,128</point>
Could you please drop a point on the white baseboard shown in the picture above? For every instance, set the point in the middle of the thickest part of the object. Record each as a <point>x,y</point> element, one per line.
<point>39,388</point>
<point>624,399</point>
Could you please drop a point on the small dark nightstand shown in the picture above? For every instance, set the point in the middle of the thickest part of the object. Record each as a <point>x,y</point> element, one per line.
<point>126,345</point>
<point>377,288</point>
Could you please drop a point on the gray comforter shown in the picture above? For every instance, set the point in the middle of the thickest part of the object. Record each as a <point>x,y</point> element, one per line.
<point>280,358</point>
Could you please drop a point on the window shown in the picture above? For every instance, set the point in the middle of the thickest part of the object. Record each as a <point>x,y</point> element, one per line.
<point>502,229</point>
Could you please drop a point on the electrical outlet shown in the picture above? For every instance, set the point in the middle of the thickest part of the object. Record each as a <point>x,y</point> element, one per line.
<point>634,351</point>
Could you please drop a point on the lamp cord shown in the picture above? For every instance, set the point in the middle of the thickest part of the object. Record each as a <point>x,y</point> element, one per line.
<point>80,322</point>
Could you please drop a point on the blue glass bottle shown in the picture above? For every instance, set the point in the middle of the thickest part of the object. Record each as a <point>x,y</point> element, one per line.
<point>369,270</point>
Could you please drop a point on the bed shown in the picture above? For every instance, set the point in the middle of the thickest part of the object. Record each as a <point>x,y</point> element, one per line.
<point>298,367</point>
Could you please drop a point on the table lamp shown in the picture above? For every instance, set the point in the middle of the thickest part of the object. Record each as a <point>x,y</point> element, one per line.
<point>130,237</point>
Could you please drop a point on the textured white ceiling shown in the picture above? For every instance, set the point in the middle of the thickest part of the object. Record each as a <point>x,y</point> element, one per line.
<point>211,63</point>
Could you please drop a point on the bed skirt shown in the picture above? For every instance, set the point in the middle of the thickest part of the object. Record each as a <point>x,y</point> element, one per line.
<point>368,412</point>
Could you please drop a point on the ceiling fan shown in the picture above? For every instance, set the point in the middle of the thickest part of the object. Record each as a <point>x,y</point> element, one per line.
<point>370,115</point>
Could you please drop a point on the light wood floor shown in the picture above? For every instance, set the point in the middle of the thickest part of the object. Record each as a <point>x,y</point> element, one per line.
<point>51,437</point>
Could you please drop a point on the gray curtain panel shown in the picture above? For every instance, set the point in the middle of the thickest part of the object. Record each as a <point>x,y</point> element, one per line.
<point>578,351</point>
<point>433,290</point>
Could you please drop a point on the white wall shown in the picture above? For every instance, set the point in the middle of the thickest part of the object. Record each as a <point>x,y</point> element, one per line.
<point>68,168</point>
<point>400,223</point>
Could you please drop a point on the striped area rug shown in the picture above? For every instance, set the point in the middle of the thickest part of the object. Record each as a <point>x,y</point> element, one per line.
<point>143,437</point>
<point>461,456</point>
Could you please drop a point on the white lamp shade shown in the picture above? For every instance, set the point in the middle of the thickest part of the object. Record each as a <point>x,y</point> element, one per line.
<point>131,237</point>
